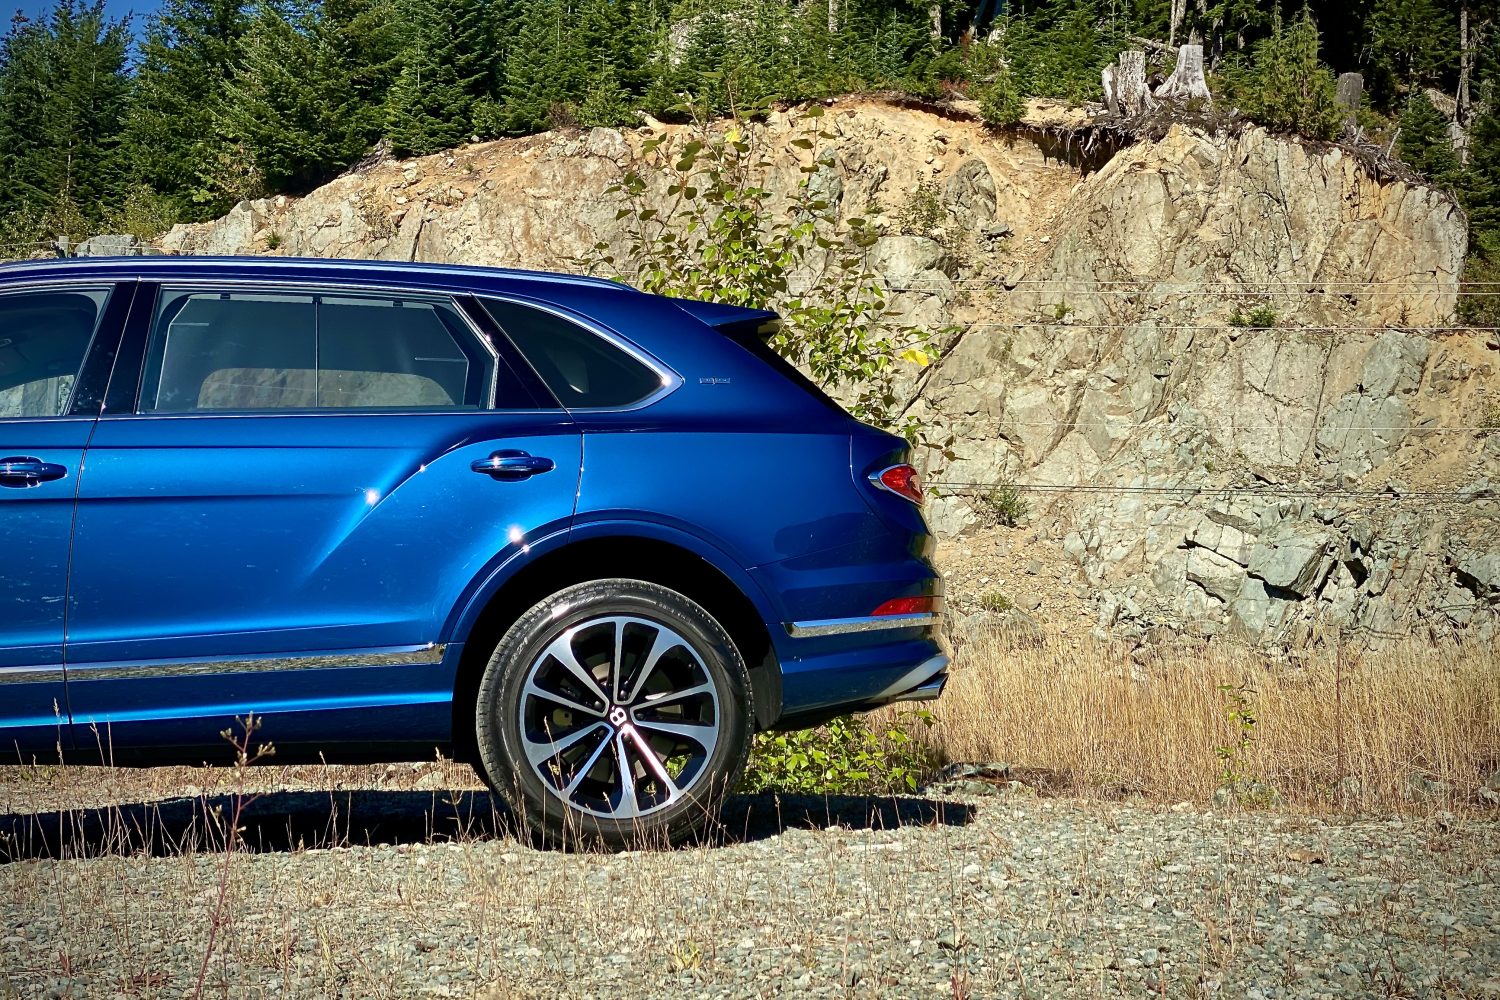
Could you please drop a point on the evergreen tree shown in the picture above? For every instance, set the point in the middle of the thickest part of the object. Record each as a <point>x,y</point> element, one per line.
<point>448,67</point>
<point>1288,89</point>
<point>547,67</point>
<point>1424,143</point>
<point>308,98</point>
<point>187,56</point>
<point>87,98</point>
<point>606,104</point>
<point>25,66</point>
<point>63,94</point>
<point>1412,41</point>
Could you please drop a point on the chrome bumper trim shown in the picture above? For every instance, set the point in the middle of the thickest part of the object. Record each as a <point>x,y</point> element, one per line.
<point>930,691</point>
<point>916,679</point>
<point>403,656</point>
<point>846,626</point>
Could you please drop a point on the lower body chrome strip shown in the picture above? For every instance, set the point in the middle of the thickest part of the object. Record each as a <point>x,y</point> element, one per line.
<point>354,658</point>
<point>31,675</point>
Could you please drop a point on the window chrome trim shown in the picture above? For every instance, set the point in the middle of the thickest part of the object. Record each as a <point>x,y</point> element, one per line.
<point>869,623</point>
<point>427,655</point>
<point>136,269</point>
<point>669,380</point>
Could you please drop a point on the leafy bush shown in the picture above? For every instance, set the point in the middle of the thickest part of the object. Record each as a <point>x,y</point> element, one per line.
<point>1261,317</point>
<point>846,756</point>
<point>1007,504</point>
<point>994,600</point>
<point>924,210</point>
<point>718,235</point>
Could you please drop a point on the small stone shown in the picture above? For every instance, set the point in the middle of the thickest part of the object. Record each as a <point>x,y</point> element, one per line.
<point>1151,958</point>
<point>1324,907</point>
<point>952,940</point>
<point>1147,902</point>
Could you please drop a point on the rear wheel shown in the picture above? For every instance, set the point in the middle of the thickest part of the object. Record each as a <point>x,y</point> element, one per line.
<point>616,710</point>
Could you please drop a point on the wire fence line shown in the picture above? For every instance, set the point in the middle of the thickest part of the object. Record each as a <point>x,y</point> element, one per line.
<point>1235,427</point>
<point>1367,498</point>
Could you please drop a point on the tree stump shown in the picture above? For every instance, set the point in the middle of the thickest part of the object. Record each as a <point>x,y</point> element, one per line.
<point>1125,90</point>
<point>1187,81</point>
<point>1351,89</point>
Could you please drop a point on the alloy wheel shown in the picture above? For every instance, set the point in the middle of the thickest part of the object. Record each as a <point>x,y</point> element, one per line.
<point>619,717</point>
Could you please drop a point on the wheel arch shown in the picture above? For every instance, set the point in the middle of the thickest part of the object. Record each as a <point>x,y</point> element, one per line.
<point>633,556</point>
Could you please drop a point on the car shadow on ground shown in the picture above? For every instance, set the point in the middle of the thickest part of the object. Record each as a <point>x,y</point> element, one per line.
<point>292,821</point>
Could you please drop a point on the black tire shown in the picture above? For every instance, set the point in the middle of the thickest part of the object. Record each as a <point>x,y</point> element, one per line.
<point>530,698</point>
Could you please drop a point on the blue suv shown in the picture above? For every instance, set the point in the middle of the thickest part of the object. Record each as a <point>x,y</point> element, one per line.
<point>587,539</point>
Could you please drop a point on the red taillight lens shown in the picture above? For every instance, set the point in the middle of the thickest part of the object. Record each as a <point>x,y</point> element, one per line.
<point>903,481</point>
<point>904,606</point>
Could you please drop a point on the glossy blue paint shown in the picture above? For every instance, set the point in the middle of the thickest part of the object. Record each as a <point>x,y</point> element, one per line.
<point>214,538</point>
<point>35,526</point>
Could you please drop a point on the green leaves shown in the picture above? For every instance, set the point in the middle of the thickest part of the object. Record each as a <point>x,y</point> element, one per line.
<point>845,756</point>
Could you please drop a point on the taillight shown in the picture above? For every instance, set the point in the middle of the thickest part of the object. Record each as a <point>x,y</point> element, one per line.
<point>901,480</point>
<point>904,606</point>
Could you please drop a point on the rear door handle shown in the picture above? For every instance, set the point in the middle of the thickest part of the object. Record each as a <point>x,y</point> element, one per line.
<point>21,472</point>
<point>509,466</point>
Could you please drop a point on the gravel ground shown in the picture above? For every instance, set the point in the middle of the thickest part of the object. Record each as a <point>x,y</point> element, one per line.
<point>981,897</point>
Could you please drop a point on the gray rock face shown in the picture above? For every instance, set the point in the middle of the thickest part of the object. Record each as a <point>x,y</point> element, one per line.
<point>1201,473</point>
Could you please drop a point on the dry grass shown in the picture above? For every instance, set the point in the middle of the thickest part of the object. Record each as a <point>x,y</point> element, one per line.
<point>1108,723</point>
<point>1069,714</point>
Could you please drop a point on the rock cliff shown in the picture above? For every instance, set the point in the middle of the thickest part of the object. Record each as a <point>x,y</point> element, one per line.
<point>1219,374</point>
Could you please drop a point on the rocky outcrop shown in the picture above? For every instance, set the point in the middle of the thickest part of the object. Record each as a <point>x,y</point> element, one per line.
<point>1220,369</point>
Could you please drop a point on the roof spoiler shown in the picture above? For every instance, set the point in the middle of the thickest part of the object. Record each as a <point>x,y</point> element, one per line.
<point>734,321</point>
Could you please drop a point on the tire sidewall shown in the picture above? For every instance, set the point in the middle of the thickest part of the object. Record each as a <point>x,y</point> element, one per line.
<point>501,750</point>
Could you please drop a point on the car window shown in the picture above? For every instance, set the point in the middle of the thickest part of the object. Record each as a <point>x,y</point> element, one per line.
<point>582,369</point>
<point>44,336</point>
<point>263,350</point>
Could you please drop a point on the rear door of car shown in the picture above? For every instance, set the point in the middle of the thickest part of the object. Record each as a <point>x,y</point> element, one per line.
<point>278,515</point>
<point>54,360</point>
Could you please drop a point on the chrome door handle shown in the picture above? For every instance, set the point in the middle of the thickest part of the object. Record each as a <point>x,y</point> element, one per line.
<point>510,466</point>
<point>21,472</point>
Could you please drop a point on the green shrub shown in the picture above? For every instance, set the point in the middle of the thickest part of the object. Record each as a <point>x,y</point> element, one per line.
<point>1007,504</point>
<point>924,210</point>
<point>994,600</point>
<point>845,757</point>
<point>1000,102</point>
<point>1286,87</point>
<point>1261,317</point>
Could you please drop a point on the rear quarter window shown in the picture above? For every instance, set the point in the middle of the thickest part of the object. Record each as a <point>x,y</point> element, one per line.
<point>581,368</point>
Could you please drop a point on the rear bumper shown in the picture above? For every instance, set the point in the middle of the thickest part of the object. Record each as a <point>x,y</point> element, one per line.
<point>833,674</point>
<point>925,682</point>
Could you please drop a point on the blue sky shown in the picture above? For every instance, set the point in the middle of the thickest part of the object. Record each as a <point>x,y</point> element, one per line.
<point>116,8</point>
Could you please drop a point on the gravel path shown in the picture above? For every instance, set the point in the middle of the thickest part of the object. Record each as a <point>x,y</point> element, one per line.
<point>850,897</point>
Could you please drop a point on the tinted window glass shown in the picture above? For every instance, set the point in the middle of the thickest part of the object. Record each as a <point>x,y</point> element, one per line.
<point>302,351</point>
<point>43,339</point>
<point>582,370</point>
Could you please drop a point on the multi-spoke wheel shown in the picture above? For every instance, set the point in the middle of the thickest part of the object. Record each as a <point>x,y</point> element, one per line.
<point>614,709</point>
